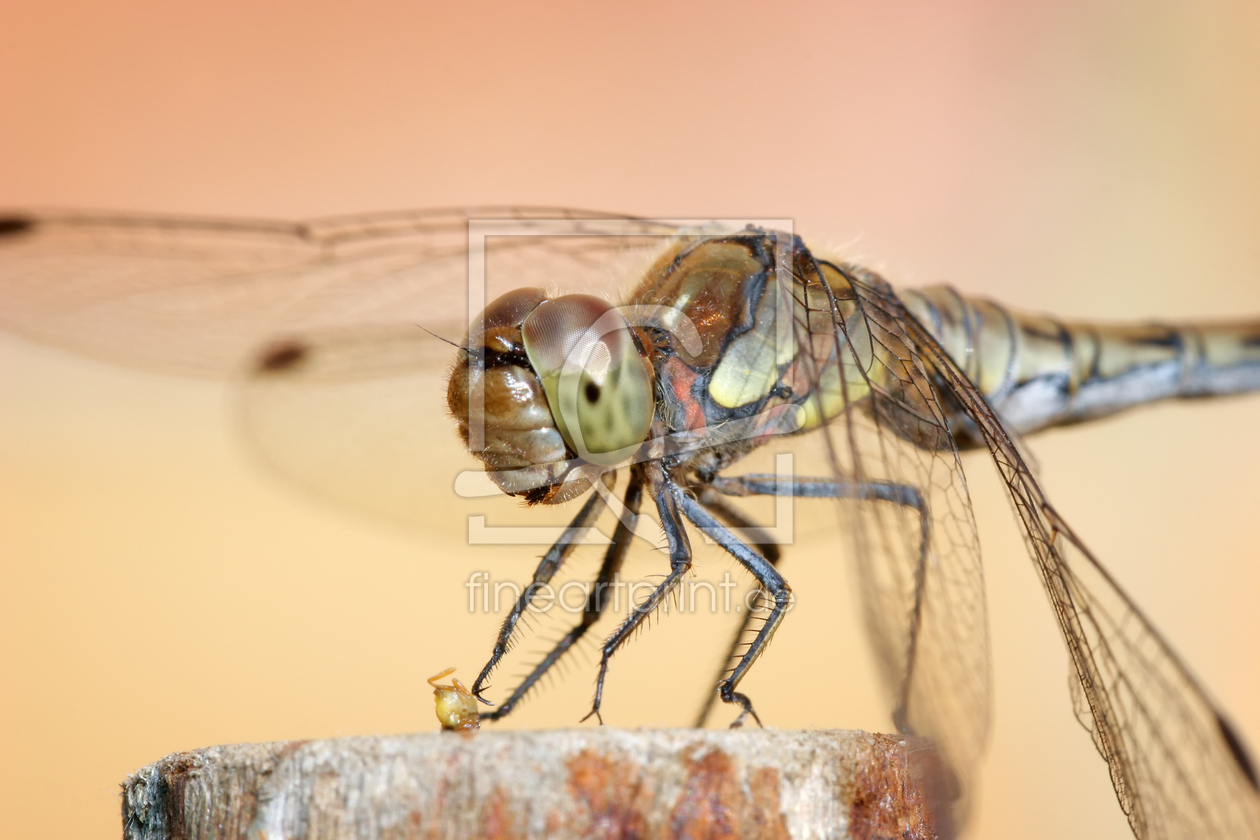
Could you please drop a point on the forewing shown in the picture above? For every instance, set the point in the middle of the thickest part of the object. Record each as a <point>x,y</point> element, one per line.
<point>357,417</point>
<point>201,296</point>
<point>328,321</point>
<point>918,565</point>
<point>1178,769</point>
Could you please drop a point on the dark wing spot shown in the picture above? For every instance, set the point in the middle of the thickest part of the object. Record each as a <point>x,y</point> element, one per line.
<point>284,356</point>
<point>592,392</point>
<point>13,225</point>
<point>1236,748</point>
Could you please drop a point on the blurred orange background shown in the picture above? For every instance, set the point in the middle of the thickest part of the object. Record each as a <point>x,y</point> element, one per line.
<point>159,592</point>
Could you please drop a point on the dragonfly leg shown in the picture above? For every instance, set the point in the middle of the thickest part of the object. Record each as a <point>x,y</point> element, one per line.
<point>818,488</point>
<point>595,601</point>
<point>771,485</point>
<point>547,568</point>
<point>667,496</point>
<point>762,542</point>
<point>771,582</point>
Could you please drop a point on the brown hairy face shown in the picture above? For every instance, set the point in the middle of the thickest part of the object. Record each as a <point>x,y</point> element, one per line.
<point>525,453</point>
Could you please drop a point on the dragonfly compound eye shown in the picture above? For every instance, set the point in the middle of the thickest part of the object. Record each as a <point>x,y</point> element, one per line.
<point>598,383</point>
<point>505,413</point>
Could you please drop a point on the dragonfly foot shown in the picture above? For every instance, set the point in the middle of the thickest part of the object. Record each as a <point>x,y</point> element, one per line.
<point>729,695</point>
<point>593,713</point>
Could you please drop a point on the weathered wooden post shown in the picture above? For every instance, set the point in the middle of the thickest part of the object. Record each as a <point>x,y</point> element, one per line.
<point>576,783</point>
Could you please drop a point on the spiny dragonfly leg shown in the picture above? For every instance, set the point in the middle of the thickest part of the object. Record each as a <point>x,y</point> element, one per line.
<point>761,542</point>
<point>595,601</point>
<point>547,568</point>
<point>770,485</point>
<point>666,494</point>
<point>771,582</point>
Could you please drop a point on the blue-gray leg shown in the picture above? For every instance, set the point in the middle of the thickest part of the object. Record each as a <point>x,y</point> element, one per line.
<point>818,488</point>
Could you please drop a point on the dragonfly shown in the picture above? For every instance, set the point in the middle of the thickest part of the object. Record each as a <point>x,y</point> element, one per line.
<point>724,339</point>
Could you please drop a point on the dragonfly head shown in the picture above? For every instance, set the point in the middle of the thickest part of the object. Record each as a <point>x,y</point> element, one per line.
<point>560,389</point>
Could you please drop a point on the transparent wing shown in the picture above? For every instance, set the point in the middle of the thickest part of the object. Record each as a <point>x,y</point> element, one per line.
<point>1178,769</point>
<point>200,296</point>
<point>357,416</point>
<point>918,557</point>
<point>322,318</point>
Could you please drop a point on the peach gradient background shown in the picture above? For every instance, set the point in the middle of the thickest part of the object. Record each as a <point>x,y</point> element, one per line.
<point>158,592</point>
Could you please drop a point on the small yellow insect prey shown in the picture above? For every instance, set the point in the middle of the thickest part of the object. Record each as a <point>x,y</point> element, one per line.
<point>456,707</point>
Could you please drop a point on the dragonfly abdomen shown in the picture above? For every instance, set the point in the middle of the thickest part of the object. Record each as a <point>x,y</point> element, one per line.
<point>1039,371</point>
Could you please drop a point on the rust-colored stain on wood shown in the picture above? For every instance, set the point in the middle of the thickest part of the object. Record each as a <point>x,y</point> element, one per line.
<point>888,799</point>
<point>716,800</point>
<point>764,785</point>
<point>610,791</point>
<point>499,820</point>
<point>179,771</point>
<point>716,804</point>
